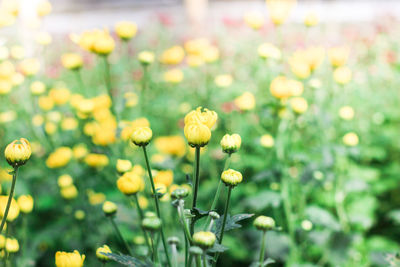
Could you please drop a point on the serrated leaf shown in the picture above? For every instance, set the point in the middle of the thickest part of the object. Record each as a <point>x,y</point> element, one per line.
<point>127,260</point>
<point>231,222</point>
<point>218,248</point>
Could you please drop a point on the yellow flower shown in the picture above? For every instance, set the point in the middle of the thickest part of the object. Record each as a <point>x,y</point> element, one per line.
<point>7,69</point>
<point>69,192</point>
<point>50,128</point>
<point>146,57</point>
<point>69,259</point>
<point>280,87</point>
<point>124,165</point>
<point>279,10</point>
<point>18,152</point>
<point>296,87</point>
<point>12,245</point>
<point>13,212</point>
<point>96,160</point>
<point>95,198</point>
<point>173,76</point>
<point>80,151</point>
<point>171,145</point>
<point>231,143</point>
<point>69,124</point>
<point>246,101</point>
<point>43,38</point>
<point>104,249</point>
<point>173,55</point>
<point>141,136</point>
<point>17,79</point>
<point>254,20</point>
<point>338,56</point>
<point>305,61</point>
<point>231,177</point>
<point>194,60</point>
<point>130,183</point>
<point>131,99</point>
<point>25,203</point>
<point>342,75</point>
<point>197,134</point>
<point>37,88</point>
<point>5,175</point>
<point>204,239</point>
<point>164,177</point>
<point>79,215</point>
<point>299,104</point>
<point>71,61</point>
<point>43,8</point>
<point>143,202</point>
<point>109,208</point>
<point>103,136</point>
<point>65,180</point>
<point>104,44</point>
<point>11,7</point>
<point>210,54</point>
<point>126,30</point>
<point>350,139</point>
<point>268,50</point>
<point>311,19</point>
<point>59,158</point>
<point>346,113</point>
<point>206,117</point>
<point>267,141</point>
<point>196,46</point>
<point>5,87</point>
<point>7,116</point>
<point>223,80</point>
<point>30,66</point>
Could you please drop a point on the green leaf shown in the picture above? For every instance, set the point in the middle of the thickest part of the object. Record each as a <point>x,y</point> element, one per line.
<point>218,248</point>
<point>231,222</point>
<point>127,260</point>
<point>322,217</point>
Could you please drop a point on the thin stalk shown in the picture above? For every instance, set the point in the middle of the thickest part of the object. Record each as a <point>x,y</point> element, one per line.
<point>155,254</point>
<point>198,261</point>
<point>204,259</point>
<point>10,196</point>
<point>221,235</point>
<point>262,248</point>
<point>157,205</point>
<point>174,255</point>
<point>186,250</point>
<point>120,236</point>
<point>339,205</point>
<point>196,187</point>
<point>140,214</point>
<point>183,222</point>
<point>5,251</point>
<point>219,188</point>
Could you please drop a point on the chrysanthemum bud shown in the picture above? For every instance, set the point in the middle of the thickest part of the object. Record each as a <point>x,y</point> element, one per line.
<point>25,203</point>
<point>151,223</point>
<point>231,177</point>
<point>12,245</point>
<point>195,250</point>
<point>130,183</point>
<point>109,208</point>
<point>146,57</point>
<point>204,239</point>
<point>125,30</point>
<point>231,143</point>
<point>17,154</point>
<point>180,193</point>
<point>213,215</point>
<point>141,136</point>
<point>104,249</point>
<point>123,165</point>
<point>264,223</point>
<point>71,61</point>
<point>197,134</point>
<point>69,259</point>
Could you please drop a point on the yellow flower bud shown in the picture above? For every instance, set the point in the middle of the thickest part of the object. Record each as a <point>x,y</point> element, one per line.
<point>173,76</point>
<point>204,240</point>
<point>109,208</point>
<point>79,215</point>
<point>338,56</point>
<point>69,259</point>
<point>104,44</point>
<point>231,177</point>
<point>25,203</point>
<point>13,211</point>
<point>60,96</point>
<point>12,245</point>
<point>126,30</point>
<point>99,253</point>
<point>254,20</point>
<point>30,66</point>
<point>197,134</point>
<point>164,177</point>
<point>206,117</point>
<point>130,183</point>
<point>59,158</point>
<point>350,139</point>
<point>37,88</point>
<point>146,57</point>
<point>279,10</point>
<point>141,136</point>
<point>80,151</point>
<point>342,75</point>
<point>43,38</point>
<point>173,55</point>
<point>268,50</point>
<point>71,61</point>
<point>246,101</point>
<point>65,180</point>
<point>17,154</point>
<point>299,104</point>
<point>223,80</point>
<point>5,87</point>
<point>69,192</point>
<point>123,165</point>
<point>267,141</point>
<point>346,113</point>
<point>264,223</point>
<point>96,160</point>
<point>231,143</point>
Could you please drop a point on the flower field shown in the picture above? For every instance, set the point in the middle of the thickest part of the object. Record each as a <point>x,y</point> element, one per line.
<point>258,142</point>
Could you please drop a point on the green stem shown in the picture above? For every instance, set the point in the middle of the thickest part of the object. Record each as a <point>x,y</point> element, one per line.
<point>198,261</point>
<point>120,236</point>
<point>140,214</point>
<point>10,196</point>
<point>155,254</point>
<point>196,187</point>
<point>204,259</point>
<point>183,222</point>
<point>339,204</point>
<point>186,250</point>
<point>174,255</point>
<point>5,251</point>
<point>157,205</point>
<point>287,205</point>
<point>262,248</point>
<point>221,235</point>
